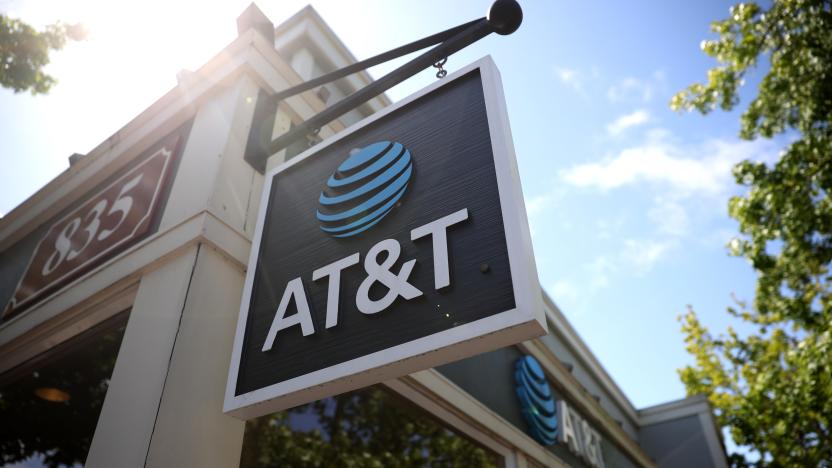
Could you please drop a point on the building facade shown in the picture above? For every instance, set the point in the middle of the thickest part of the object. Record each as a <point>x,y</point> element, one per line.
<point>123,278</point>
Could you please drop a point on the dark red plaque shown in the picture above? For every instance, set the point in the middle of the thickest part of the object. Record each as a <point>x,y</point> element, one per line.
<point>100,227</point>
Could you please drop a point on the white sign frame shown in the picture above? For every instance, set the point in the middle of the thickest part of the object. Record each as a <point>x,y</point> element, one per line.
<point>525,321</point>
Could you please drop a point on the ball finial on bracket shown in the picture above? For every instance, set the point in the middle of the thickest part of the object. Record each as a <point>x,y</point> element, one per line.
<point>505,16</point>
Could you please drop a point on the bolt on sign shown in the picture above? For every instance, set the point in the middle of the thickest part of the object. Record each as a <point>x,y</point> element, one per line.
<point>100,226</point>
<point>398,245</point>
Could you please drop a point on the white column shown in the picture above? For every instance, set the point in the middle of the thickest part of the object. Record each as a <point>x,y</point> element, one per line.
<point>304,64</point>
<point>191,429</point>
<point>164,405</point>
<point>212,173</point>
<point>128,414</point>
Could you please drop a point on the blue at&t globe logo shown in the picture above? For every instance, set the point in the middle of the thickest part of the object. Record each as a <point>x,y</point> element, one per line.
<point>364,188</point>
<point>536,400</point>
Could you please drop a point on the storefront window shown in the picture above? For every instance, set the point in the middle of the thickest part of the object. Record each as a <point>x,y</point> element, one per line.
<point>49,406</point>
<point>367,428</point>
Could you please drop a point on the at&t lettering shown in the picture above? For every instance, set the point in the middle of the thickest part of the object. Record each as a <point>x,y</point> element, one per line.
<point>396,282</point>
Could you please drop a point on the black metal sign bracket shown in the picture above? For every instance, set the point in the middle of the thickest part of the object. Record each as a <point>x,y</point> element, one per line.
<point>504,17</point>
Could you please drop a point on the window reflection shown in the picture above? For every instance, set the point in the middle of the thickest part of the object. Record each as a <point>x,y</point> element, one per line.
<point>367,428</point>
<point>49,406</point>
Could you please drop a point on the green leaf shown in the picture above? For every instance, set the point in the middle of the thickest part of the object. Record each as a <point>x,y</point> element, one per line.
<point>773,387</point>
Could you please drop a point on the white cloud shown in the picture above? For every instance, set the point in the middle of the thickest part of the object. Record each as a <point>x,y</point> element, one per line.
<point>642,255</point>
<point>670,217</point>
<point>637,256</point>
<point>536,204</point>
<point>626,121</point>
<point>719,238</point>
<point>609,228</point>
<point>567,75</point>
<point>687,187</point>
<point>643,90</point>
<point>535,207</point>
<point>571,77</point>
<point>572,295</point>
<point>538,207</point>
<point>564,292</point>
<point>599,270</point>
<point>630,89</point>
<point>659,76</point>
<point>701,169</point>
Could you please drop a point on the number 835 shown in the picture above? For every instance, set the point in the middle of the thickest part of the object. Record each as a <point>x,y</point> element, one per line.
<point>64,249</point>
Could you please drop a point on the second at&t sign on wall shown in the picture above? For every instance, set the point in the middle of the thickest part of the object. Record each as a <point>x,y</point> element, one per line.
<point>396,246</point>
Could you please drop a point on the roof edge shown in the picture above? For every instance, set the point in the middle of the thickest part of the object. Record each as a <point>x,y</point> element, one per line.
<point>312,14</point>
<point>675,409</point>
<point>692,406</point>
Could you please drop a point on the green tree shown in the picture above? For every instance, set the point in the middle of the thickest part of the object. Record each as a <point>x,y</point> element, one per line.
<point>24,52</point>
<point>773,386</point>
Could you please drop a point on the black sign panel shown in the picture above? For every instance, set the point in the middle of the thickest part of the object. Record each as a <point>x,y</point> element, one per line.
<point>402,219</point>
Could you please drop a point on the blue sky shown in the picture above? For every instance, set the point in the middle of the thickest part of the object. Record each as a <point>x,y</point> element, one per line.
<point>627,200</point>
